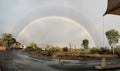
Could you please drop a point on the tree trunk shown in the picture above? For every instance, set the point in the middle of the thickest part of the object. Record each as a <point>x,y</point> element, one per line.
<point>113,52</point>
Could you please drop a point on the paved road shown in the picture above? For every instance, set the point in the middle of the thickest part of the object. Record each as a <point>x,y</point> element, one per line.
<point>20,61</point>
<point>17,60</point>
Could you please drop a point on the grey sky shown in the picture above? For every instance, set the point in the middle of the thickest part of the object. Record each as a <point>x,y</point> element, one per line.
<point>55,30</point>
<point>15,15</point>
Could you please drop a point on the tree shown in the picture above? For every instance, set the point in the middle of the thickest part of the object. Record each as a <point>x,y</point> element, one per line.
<point>12,41</point>
<point>32,44</point>
<point>7,39</point>
<point>113,38</point>
<point>85,43</point>
<point>1,43</point>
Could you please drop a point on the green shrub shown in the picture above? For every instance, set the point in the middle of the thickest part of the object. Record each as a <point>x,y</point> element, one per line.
<point>37,50</point>
<point>84,52</point>
<point>54,49</point>
<point>105,50</point>
<point>46,53</point>
<point>117,51</point>
<point>29,48</point>
<point>65,49</point>
<point>95,50</point>
<point>61,55</point>
<point>101,50</point>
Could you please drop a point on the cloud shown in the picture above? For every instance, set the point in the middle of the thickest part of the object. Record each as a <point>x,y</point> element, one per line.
<point>16,14</point>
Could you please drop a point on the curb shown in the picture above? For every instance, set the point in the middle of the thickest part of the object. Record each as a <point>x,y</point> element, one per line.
<point>0,68</point>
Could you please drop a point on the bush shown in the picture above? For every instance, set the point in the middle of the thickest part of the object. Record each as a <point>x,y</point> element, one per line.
<point>65,49</point>
<point>95,50</point>
<point>117,51</point>
<point>61,55</point>
<point>84,52</point>
<point>29,48</point>
<point>46,53</point>
<point>101,50</point>
<point>33,50</point>
<point>105,50</point>
<point>37,50</point>
<point>52,50</point>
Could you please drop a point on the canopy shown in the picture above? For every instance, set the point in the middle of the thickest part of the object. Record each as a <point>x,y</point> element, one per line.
<point>113,7</point>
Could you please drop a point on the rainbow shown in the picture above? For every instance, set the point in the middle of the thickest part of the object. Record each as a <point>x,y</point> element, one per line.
<point>53,17</point>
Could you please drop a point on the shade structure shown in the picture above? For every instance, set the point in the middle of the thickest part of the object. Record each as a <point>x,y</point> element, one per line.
<point>113,7</point>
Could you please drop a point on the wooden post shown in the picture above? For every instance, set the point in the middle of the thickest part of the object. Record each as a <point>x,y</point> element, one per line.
<point>59,61</point>
<point>103,65</point>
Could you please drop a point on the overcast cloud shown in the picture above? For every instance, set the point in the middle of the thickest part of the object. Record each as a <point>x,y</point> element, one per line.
<point>15,15</point>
